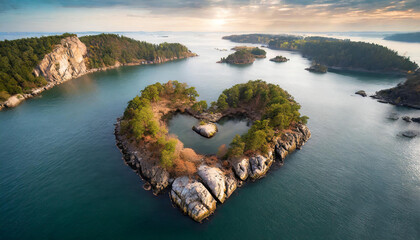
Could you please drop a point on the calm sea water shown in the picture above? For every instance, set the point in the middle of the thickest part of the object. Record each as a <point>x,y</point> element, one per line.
<point>62,177</point>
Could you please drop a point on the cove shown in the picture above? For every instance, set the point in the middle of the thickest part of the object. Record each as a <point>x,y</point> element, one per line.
<point>181,125</point>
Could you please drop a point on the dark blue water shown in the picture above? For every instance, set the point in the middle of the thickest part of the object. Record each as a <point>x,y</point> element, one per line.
<point>62,177</point>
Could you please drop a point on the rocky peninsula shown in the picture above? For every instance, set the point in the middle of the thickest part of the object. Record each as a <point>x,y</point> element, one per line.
<point>72,57</point>
<point>404,94</point>
<point>197,183</point>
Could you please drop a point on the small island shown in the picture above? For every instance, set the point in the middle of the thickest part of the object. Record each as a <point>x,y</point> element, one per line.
<point>317,68</point>
<point>404,94</point>
<point>38,64</point>
<point>197,183</point>
<point>279,59</point>
<point>244,55</point>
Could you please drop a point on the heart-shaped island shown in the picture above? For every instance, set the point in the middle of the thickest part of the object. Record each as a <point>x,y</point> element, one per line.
<point>197,182</point>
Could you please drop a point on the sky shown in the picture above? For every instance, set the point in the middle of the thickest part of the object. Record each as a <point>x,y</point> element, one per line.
<point>209,15</point>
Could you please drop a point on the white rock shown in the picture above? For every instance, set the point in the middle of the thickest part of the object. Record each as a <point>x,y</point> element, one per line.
<point>192,198</point>
<point>215,180</point>
<point>206,130</point>
<point>241,168</point>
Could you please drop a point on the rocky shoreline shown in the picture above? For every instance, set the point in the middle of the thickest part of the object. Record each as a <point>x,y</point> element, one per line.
<point>67,62</point>
<point>198,195</point>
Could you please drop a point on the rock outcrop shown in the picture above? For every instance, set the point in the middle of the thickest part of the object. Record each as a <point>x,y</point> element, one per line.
<point>13,101</point>
<point>220,185</point>
<point>361,93</point>
<point>404,94</point>
<point>291,141</point>
<point>65,62</point>
<point>260,165</point>
<point>241,168</point>
<point>153,173</point>
<point>192,198</point>
<point>206,130</point>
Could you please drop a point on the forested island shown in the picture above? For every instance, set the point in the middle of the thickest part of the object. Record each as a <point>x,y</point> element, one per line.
<point>336,54</point>
<point>279,59</point>
<point>198,182</point>
<point>244,55</point>
<point>29,66</point>
<point>405,94</point>
<point>405,37</point>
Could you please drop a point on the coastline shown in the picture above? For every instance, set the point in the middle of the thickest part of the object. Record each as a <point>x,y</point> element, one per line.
<point>15,100</point>
<point>197,194</point>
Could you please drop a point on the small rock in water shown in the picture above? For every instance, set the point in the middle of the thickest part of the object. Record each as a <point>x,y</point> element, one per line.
<point>205,129</point>
<point>147,186</point>
<point>393,116</point>
<point>417,119</point>
<point>406,118</point>
<point>410,134</point>
<point>361,93</point>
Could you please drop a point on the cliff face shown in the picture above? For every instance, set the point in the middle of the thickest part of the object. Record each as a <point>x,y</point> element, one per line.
<point>65,62</point>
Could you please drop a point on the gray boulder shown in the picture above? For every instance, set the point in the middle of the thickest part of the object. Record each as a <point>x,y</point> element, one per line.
<point>260,165</point>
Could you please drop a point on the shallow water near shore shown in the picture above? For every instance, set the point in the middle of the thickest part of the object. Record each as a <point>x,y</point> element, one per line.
<point>181,126</point>
<point>62,177</point>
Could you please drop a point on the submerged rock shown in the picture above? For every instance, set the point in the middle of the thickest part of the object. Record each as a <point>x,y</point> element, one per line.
<point>410,134</point>
<point>393,116</point>
<point>361,93</point>
<point>206,130</point>
<point>192,198</point>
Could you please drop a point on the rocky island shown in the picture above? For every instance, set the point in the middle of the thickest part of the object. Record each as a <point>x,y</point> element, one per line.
<point>41,63</point>
<point>317,68</point>
<point>279,59</point>
<point>197,183</point>
<point>244,55</point>
<point>336,54</point>
<point>405,94</point>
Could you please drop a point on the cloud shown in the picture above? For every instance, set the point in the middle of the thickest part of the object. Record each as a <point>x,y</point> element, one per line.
<point>236,15</point>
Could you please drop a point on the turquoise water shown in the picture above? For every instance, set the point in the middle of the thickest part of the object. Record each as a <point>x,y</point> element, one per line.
<point>181,126</point>
<point>62,177</point>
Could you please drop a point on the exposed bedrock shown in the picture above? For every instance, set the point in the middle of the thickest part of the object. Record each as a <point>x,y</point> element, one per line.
<point>192,198</point>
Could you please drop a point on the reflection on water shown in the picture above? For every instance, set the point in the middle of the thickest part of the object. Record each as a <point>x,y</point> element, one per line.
<point>181,125</point>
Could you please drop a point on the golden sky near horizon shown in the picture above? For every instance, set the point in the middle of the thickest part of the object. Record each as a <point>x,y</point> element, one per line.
<point>210,15</point>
